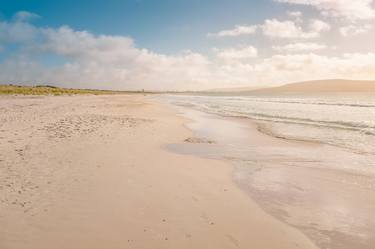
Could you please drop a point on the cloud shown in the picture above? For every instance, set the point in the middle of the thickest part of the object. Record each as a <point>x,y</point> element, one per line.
<point>97,61</point>
<point>349,9</point>
<point>299,47</point>
<point>274,28</point>
<point>236,31</point>
<point>24,16</point>
<point>319,26</point>
<point>295,13</point>
<point>299,67</point>
<point>82,59</point>
<point>16,32</point>
<point>280,69</point>
<point>237,53</point>
<point>352,30</point>
<point>82,45</point>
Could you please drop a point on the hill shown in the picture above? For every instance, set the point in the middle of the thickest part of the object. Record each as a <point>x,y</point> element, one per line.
<point>320,86</point>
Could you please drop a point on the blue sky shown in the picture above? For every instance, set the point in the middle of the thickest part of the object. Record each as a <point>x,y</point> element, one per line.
<point>165,26</point>
<point>184,44</point>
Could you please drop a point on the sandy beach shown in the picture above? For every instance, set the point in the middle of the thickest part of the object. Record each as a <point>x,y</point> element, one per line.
<point>166,124</point>
<point>93,172</point>
<point>317,188</point>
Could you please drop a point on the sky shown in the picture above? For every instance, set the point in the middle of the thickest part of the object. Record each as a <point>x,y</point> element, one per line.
<point>184,44</point>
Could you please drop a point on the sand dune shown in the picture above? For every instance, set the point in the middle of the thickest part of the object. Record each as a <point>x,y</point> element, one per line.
<point>320,86</point>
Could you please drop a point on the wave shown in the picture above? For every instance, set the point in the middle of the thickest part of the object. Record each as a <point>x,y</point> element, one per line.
<point>321,123</point>
<point>353,126</point>
<point>301,101</point>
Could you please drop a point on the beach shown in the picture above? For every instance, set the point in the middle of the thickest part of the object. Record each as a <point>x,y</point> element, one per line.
<point>97,172</point>
<point>187,124</point>
<point>303,165</point>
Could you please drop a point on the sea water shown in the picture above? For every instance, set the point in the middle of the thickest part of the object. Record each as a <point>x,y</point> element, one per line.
<point>325,188</point>
<point>344,121</point>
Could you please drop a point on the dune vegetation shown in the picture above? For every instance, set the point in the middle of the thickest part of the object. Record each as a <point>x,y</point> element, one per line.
<point>51,90</point>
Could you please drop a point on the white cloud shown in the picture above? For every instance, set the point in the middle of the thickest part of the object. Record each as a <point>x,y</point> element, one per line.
<point>274,28</point>
<point>319,26</point>
<point>84,45</point>
<point>299,47</point>
<point>237,53</point>
<point>294,13</point>
<point>24,16</point>
<point>236,31</point>
<point>352,30</point>
<point>348,9</point>
<point>280,69</point>
<point>283,29</point>
<point>14,32</point>
<point>101,61</point>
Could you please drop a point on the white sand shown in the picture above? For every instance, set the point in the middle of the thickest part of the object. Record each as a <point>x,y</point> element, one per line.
<point>90,172</point>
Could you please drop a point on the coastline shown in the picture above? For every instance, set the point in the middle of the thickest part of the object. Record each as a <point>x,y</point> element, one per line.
<point>92,172</point>
<point>304,184</point>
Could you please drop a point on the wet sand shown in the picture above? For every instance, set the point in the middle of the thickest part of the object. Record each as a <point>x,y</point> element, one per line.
<point>314,187</point>
<point>91,172</point>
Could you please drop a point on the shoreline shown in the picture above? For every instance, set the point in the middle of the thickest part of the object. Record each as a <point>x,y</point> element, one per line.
<point>91,172</point>
<point>303,184</point>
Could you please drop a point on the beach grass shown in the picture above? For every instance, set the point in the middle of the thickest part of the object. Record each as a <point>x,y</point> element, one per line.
<point>52,90</point>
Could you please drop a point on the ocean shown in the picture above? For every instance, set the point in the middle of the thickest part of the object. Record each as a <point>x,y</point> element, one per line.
<point>312,165</point>
<point>344,121</point>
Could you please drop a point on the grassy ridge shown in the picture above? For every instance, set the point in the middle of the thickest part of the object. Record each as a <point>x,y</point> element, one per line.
<point>51,90</point>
